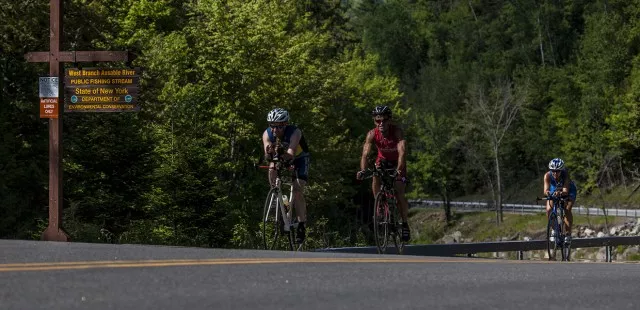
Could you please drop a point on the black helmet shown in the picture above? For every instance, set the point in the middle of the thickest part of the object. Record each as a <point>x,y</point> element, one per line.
<point>381,110</point>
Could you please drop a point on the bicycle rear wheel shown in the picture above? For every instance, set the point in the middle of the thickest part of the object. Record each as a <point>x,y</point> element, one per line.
<point>272,223</point>
<point>381,222</point>
<point>552,241</point>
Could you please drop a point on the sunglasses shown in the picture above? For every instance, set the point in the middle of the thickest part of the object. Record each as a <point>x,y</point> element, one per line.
<point>379,121</point>
<point>556,171</point>
<point>274,126</point>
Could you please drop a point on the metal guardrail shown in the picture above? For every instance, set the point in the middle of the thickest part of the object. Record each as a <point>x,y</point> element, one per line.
<point>520,208</point>
<point>489,247</point>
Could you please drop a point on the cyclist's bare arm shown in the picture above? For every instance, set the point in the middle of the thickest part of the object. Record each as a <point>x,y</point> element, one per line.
<point>401,149</point>
<point>566,185</point>
<point>266,144</point>
<point>366,149</point>
<point>547,184</point>
<point>267,147</point>
<point>293,143</point>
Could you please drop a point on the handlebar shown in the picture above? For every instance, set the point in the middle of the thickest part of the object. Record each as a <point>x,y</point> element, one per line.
<point>369,173</point>
<point>552,197</point>
<point>280,164</point>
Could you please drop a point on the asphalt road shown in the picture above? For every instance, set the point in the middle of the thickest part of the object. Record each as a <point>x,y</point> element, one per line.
<point>52,275</point>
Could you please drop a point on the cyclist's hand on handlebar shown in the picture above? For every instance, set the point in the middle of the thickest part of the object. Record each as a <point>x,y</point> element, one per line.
<point>360,175</point>
<point>286,156</point>
<point>271,149</point>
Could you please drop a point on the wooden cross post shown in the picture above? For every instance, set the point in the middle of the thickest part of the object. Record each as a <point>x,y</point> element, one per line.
<point>56,58</point>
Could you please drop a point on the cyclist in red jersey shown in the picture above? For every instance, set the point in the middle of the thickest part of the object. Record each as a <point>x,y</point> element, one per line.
<point>389,140</point>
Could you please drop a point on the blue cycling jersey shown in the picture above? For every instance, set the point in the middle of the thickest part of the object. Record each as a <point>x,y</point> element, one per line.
<point>573,189</point>
<point>301,151</point>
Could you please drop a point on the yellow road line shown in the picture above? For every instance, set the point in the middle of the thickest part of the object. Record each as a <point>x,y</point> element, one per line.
<point>203,262</point>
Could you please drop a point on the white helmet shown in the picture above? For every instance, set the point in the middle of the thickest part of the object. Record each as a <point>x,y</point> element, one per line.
<point>278,115</point>
<point>556,164</point>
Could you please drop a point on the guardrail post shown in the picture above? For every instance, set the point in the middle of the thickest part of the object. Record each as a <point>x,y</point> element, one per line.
<point>520,255</point>
<point>608,253</point>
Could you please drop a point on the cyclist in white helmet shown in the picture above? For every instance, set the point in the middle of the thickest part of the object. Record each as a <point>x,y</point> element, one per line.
<point>295,149</point>
<point>558,177</point>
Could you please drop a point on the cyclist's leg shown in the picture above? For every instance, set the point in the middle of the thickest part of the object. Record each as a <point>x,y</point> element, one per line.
<point>375,185</point>
<point>272,174</point>
<point>299,202</point>
<point>568,222</point>
<point>375,180</point>
<point>403,204</point>
<point>568,217</point>
<point>302,173</point>
<point>549,202</point>
<point>403,207</point>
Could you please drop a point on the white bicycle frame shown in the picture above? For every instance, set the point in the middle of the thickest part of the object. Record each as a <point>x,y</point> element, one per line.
<point>286,216</point>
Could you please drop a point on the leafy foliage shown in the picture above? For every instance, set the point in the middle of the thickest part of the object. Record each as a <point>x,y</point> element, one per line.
<point>182,172</point>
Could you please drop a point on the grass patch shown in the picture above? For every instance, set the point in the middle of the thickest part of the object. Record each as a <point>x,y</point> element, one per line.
<point>428,225</point>
<point>633,257</point>
<point>620,197</point>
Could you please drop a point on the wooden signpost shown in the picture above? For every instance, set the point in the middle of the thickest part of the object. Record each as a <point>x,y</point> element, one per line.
<point>49,108</point>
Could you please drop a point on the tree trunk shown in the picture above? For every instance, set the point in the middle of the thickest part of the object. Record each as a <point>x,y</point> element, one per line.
<point>499,217</point>
<point>447,206</point>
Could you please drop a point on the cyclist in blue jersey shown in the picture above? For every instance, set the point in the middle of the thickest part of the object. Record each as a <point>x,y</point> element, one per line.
<point>296,152</point>
<point>558,178</point>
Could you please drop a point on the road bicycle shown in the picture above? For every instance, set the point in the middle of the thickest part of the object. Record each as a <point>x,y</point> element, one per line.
<point>555,228</point>
<point>278,215</point>
<point>385,211</point>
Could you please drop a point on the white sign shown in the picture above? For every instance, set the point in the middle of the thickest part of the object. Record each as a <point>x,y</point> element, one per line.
<point>49,87</point>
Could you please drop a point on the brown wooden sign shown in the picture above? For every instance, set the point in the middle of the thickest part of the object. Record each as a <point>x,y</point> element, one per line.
<point>49,108</point>
<point>101,89</point>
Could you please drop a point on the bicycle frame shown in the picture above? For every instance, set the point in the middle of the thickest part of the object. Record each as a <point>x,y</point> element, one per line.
<point>556,216</point>
<point>386,211</point>
<point>278,217</point>
<point>284,213</point>
<point>388,191</point>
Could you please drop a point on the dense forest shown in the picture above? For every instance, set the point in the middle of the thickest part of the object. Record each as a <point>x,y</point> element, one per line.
<point>488,91</point>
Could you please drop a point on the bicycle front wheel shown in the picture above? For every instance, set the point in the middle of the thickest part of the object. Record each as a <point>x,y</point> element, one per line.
<point>552,236</point>
<point>566,247</point>
<point>381,222</point>
<point>396,229</point>
<point>566,251</point>
<point>272,222</point>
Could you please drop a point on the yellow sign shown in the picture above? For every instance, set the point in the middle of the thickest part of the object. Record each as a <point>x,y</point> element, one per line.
<point>100,72</point>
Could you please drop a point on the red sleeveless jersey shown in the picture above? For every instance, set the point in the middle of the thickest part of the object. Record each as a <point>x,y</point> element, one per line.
<point>387,147</point>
